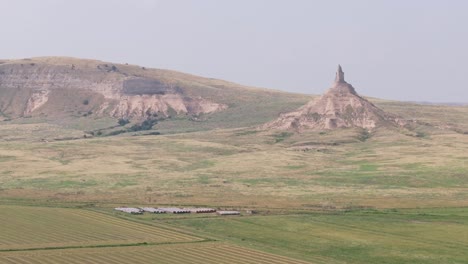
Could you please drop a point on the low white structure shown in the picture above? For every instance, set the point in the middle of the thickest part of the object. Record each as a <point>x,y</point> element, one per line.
<point>228,212</point>
<point>129,210</point>
<point>202,210</point>
<point>153,210</point>
<point>175,210</point>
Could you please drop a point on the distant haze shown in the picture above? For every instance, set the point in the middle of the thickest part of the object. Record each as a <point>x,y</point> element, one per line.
<point>406,50</point>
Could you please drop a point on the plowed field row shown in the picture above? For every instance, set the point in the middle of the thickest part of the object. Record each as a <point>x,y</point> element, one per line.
<point>39,227</point>
<point>205,252</point>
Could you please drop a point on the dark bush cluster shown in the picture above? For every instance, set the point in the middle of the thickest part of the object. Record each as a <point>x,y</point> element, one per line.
<point>116,132</point>
<point>145,125</point>
<point>364,135</point>
<point>123,121</point>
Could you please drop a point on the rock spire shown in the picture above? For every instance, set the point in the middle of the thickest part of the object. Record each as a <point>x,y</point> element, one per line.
<point>339,75</point>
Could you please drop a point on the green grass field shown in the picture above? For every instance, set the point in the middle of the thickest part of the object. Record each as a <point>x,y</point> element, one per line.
<point>392,236</point>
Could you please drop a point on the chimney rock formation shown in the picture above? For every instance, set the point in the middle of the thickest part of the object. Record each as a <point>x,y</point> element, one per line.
<point>339,107</point>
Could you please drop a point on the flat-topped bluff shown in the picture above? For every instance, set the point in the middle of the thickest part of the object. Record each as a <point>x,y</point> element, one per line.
<point>339,107</point>
<point>57,86</point>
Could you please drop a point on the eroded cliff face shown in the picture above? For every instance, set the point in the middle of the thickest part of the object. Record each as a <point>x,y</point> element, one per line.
<point>139,106</point>
<point>38,87</point>
<point>339,107</point>
<point>37,99</point>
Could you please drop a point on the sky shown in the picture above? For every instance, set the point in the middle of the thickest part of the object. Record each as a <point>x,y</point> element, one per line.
<point>396,49</point>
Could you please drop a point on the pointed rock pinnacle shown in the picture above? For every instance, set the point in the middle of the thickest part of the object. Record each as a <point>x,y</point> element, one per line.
<point>339,75</point>
<point>339,107</point>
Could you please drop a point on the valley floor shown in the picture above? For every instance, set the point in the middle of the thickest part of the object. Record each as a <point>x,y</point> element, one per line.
<point>321,197</point>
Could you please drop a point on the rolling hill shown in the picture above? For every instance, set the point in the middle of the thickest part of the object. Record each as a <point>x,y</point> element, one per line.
<point>60,88</point>
<point>91,95</point>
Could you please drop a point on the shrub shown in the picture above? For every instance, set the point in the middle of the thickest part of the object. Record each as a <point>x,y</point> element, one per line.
<point>116,132</point>
<point>420,134</point>
<point>282,136</point>
<point>123,121</point>
<point>364,135</point>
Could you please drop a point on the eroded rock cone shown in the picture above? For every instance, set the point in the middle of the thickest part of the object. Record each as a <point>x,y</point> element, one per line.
<point>339,107</point>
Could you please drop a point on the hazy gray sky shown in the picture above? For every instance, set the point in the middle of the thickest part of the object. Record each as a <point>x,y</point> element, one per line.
<point>395,49</point>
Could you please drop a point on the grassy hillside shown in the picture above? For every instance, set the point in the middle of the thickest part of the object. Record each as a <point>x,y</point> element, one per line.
<point>247,106</point>
<point>78,90</point>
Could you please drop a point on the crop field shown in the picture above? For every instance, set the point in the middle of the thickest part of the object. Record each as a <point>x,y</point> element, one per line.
<point>207,252</point>
<point>27,227</point>
<point>67,235</point>
<point>388,236</point>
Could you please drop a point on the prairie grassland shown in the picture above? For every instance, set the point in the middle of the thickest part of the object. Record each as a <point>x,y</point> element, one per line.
<point>27,227</point>
<point>244,168</point>
<point>444,116</point>
<point>386,236</point>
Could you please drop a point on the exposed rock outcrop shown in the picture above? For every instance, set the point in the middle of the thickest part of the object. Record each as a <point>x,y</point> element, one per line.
<point>131,106</point>
<point>339,107</point>
<point>66,86</point>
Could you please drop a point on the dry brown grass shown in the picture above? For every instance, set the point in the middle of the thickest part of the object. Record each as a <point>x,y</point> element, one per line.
<point>242,168</point>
